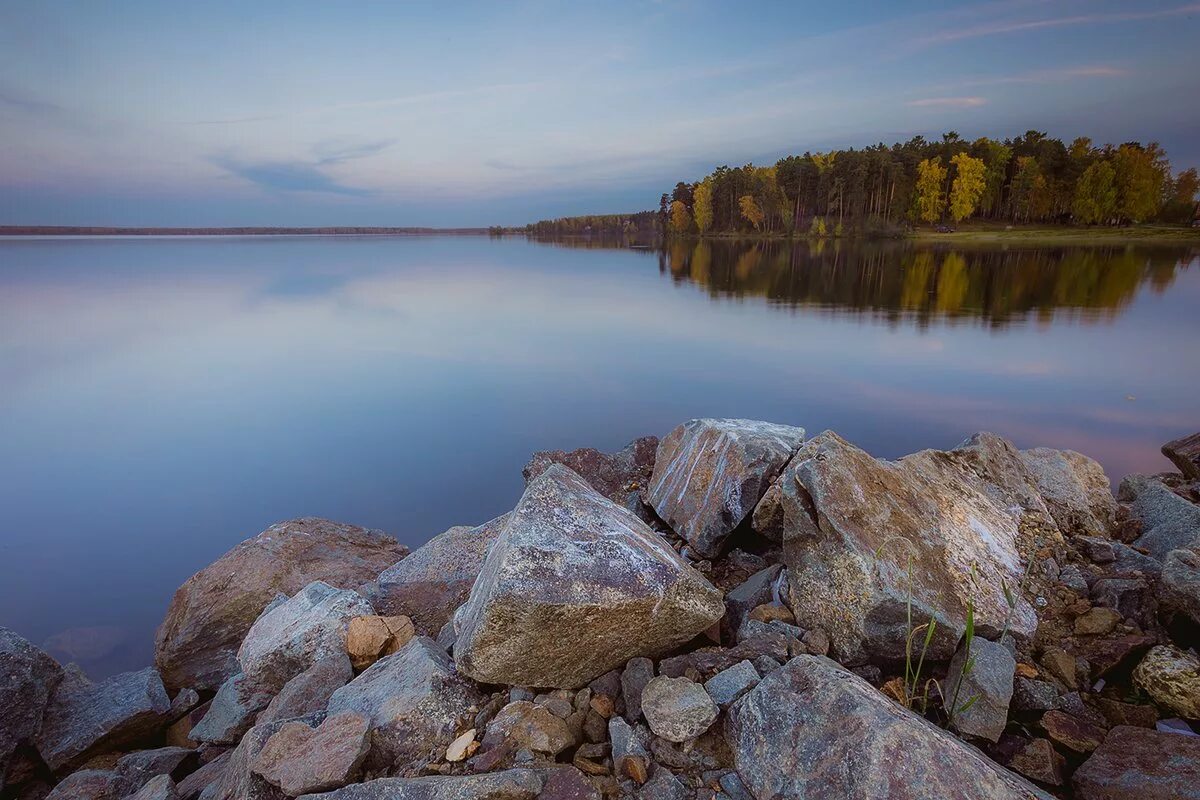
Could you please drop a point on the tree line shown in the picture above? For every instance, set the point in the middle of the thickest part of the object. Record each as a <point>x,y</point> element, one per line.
<point>1030,178</point>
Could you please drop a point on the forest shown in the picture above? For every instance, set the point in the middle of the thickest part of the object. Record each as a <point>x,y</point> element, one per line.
<point>885,190</point>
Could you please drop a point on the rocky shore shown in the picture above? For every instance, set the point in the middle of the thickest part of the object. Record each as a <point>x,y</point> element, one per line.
<point>735,612</point>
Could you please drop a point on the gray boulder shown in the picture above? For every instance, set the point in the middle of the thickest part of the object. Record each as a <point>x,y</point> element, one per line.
<point>159,788</point>
<point>86,784</point>
<point>1075,489</point>
<point>232,712</point>
<point>310,690</point>
<point>210,614</point>
<point>293,636</point>
<point>1179,587</point>
<point>573,587</point>
<point>238,780</point>
<point>814,730</point>
<point>299,759</point>
<point>433,581</point>
<point>983,691</point>
<point>850,525</point>
<point>731,683</point>
<point>513,784</point>
<point>678,709</point>
<point>1168,521</point>
<point>137,769</point>
<point>28,678</point>
<point>85,718</point>
<point>710,473</point>
<point>416,703</point>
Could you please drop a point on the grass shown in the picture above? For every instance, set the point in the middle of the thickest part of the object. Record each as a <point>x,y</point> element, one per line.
<point>1060,234</point>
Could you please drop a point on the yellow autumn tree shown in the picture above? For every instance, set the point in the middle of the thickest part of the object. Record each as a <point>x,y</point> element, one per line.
<point>680,218</point>
<point>702,205</point>
<point>969,182</point>
<point>930,196</point>
<point>751,210</point>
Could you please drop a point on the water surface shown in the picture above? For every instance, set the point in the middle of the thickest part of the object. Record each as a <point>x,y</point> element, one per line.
<point>163,399</point>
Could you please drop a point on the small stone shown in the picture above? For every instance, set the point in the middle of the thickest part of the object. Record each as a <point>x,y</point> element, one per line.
<point>663,785</point>
<point>1040,761</point>
<point>299,759</point>
<point>678,709</point>
<point>816,642</point>
<point>603,705</point>
<point>638,672</point>
<point>525,725</point>
<point>1099,551</point>
<point>462,747</point>
<point>636,767</point>
<point>770,612</point>
<point>1097,622</point>
<point>1172,679</point>
<point>627,742</point>
<point>1026,670</point>
<point>371,637</point>
<point>729,684</point>
<point>1072,732</point>
<point>987,686</point>
<point>1061,664</point>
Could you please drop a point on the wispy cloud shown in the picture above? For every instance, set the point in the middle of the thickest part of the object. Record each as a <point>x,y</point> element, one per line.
<point>288,176</point>
<point>949,102</point>
<point>1017,26</point>
<point>23,101</point>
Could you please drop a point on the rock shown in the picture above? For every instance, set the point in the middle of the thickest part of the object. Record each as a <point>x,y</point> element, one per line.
<point>526,726</point>
<point>710,473</point>
<point>638,672</point>
<point>1097,550</point>
<point>191,786</point>
<point>513,784</point>
<point>1075,489</point>
<point>87,784</point>
<point>573,587</point>
<point>567,783</point>
<point>160,788</point>
<point>371,637</point>
<point>1171,678</point>
<point>678,709</point>
<point>310,690</point>
<point>179,732</point>
<point>845,518</point>
<point>731,683</point>
<point>1072,732</point>
<point>1179,587</point>
<point>1117,713</point>
<point>462,747</point>
<point>293,636</point>
<point>1132,597</point>
<point>299,759</point>
<point>1039,761</point>
<point>613,476</point>
<point>232,712</point>
<point>416,702</point>
<point>1003,475</point>
<point>28,678</point>
<point>759,588</point>
<point>796,733</point>
<point>183,703</point>
<point>1127,561</point>
<point>1184,452</point>
<point>238,780</point>
<point>432,582</point>
<point>708,661</point>
<point>664,786</point>
<point>627,742</point>
<point>135,770</point>
<point>1135,762</point>
<point>1168,521</point>
<point>210,614</point>
<point>85,718</point>
<point>1061,665</point>
<point>1097,621</point>
<point>987,687</point>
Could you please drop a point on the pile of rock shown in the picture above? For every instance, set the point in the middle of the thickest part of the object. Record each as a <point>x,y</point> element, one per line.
<point>722,614</point>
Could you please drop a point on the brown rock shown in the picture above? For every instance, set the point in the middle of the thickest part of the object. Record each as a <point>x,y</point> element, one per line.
<point>370,638</point>
<point>1097,621</point>
<point>603,705</point>
<point>1172,679</point>
<point>612,475</point>
<point>1142,764</point>
<point>1106,654</point>
<point>1118,713</point>
<point>210,614</point>
<point>1185,454</point>
<point>1040,761</point>
<point>299,759</point>
<point>636,767</point>
<point>1072,732</point>
<point>1026,670</point>
<point>525,725</point>
<point>1061,665</point>
<point>769,611</point>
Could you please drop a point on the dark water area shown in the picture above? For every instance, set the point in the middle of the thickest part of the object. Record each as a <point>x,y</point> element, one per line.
<point>163,399</point>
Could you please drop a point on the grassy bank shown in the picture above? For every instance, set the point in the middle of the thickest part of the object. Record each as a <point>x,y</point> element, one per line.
<point>1061,234</point>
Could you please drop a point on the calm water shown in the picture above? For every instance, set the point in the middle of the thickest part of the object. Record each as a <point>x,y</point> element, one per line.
<point>162,399</point>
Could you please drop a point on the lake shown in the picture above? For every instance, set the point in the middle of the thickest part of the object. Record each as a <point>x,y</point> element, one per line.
<point>164,398</point>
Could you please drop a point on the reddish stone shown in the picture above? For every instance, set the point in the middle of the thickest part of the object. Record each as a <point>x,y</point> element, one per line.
<point>1140,763</point>
<point>1107,654</point>
<point>1040,761</point>
<point>1072,732</point>
<point>1118,713</point>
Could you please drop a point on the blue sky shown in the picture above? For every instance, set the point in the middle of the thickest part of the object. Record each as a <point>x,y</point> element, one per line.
<point>422,113</point>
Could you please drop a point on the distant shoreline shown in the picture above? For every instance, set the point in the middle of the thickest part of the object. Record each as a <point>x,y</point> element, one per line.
<point>88,230</point>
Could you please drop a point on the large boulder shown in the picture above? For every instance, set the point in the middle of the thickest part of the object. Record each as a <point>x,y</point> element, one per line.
<point>416,704</point>
<point>814,730</point>
<point>232,711</point>
<point>1171,678</point>
<point>432,582</point>
<point>291,637</point>
<point>211,612</point>
<point>1075,489</point>
<point>309,691</point>
<point>28,678</point>
<point>1184,452</point>
<point>614,475</point>
<point>864,536</point>
<point>84,718</point>
<point>238,780</point>
<point>299,759</point>
<point>513,784</point>
<point>1141,763</point>
<point>710,473</point>
<point>1168,521</point>
<point>574,587</point>
<point>1179,587</point>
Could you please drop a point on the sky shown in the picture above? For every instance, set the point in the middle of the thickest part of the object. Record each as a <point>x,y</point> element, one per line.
<point>480,113</point>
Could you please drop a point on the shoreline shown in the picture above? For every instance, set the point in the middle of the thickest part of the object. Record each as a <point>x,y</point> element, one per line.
<point>337,230</point>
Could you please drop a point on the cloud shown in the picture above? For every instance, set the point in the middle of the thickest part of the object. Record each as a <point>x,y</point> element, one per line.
<point>15,98</point>
<point>334,153</point>
<point>1018,26</point>
<point>949,102</point>
<point>288,176</point>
